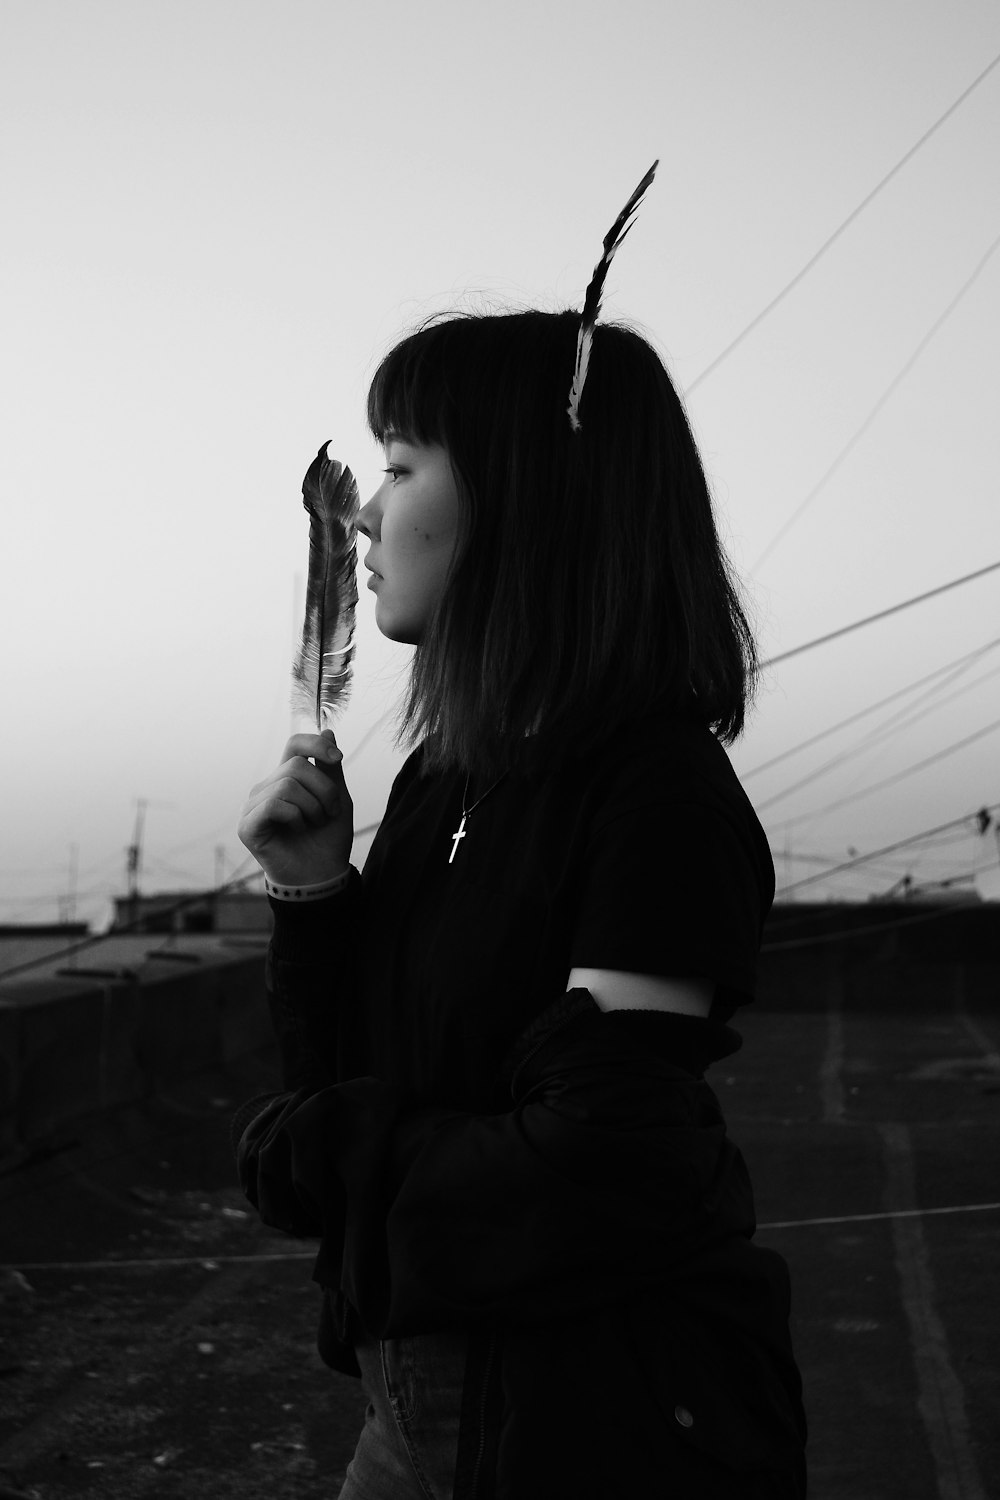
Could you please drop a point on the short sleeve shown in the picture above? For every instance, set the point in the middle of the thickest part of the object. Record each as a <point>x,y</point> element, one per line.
<point>676,889</point>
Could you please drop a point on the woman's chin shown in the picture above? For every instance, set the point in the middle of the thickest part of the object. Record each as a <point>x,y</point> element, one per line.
<point>393,627</point>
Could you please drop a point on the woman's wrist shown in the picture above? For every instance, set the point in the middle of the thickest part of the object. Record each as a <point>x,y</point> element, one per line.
<point>318,890</point>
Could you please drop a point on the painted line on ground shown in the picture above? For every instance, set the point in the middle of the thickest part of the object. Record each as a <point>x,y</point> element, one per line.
<point>982,1039</point>
<point>209,1262</point>
<point>896,1213</point>
<point>831,1081</point>
<point>940,1395</point>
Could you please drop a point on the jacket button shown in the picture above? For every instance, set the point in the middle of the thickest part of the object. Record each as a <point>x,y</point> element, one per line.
<point>683,1416</point>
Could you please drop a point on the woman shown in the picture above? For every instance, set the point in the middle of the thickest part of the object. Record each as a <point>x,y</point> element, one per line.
<point>535,1233</point>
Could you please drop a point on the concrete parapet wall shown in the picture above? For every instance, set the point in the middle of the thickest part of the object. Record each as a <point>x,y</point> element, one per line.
<point>70,1046</point>
<point>73,1046</point>
<point>904,957</point>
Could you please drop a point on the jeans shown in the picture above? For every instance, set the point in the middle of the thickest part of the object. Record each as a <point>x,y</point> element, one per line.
<point>408,1445</point>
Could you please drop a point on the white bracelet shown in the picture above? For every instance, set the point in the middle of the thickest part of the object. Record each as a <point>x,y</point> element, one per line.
<point>318,891</point>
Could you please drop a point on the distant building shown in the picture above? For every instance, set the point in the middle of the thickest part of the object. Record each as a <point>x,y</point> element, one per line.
<point>32,942</point>
<point>43,929</point>
<point>958,892</point>
<point>186,911</point>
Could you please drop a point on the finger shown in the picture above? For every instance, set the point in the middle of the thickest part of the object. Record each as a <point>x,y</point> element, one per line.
<point>287,803</point>
<point>320,747</point>
<point>262,826</point>
<point>326,783</point>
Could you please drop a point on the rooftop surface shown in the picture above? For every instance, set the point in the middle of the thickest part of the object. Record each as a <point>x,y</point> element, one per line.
<point>161,1341</point>
<point>26,961</point>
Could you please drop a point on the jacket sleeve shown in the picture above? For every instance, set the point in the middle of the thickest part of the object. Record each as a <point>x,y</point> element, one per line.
<point>311,981</point>
<point>311,984</point>
<point>610,1170</point>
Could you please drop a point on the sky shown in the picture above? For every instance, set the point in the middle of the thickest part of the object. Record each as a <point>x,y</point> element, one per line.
<point>220,214</point>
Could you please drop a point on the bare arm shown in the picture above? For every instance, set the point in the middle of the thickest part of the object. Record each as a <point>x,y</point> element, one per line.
<point>615,989</point>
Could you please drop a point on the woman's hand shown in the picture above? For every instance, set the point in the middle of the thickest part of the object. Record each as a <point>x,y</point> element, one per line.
<point>298,823</point>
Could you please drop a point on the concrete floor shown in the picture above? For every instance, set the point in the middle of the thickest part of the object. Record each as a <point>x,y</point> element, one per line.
<point>193,1373</point>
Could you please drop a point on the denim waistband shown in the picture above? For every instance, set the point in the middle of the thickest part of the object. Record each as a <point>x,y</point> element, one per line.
<point>408,1447</point>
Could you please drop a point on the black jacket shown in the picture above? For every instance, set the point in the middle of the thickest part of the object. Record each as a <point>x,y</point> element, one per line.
<point>628,1338</point>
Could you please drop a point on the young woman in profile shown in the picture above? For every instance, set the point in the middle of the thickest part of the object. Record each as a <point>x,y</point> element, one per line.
<point>536,1237</point>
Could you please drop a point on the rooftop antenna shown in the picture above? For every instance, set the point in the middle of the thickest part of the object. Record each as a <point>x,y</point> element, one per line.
<point>133,855</point>
<point>67,903</point>
<point>133,858</point>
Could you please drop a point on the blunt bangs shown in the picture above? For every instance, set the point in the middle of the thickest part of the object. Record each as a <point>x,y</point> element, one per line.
<point>408,391</point>
<point>498,376</point>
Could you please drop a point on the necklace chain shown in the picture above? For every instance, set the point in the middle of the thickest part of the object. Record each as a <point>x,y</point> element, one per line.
<point>468,811</point>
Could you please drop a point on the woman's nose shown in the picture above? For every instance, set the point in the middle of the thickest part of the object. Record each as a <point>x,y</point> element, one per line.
<point>368,520</point>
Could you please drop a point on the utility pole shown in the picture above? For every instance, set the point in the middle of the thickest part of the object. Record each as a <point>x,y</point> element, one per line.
<point>133,861</point>
<point>67,903</point>
<point>220,876</point>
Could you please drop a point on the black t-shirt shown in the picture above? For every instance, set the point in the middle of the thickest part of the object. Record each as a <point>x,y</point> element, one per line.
<point>646,856</point>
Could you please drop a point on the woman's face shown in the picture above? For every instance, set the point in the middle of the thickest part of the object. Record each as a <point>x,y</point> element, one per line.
<point>412,523</point>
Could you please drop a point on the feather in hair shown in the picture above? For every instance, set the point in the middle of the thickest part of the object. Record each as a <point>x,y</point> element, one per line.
<point>592,300</point>
<point>322,669</point>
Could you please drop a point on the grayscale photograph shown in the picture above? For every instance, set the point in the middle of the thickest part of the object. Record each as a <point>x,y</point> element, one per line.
<point>500,655</point>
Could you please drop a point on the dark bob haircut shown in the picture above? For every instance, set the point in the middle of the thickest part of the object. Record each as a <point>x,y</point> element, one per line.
<point>588,582</point>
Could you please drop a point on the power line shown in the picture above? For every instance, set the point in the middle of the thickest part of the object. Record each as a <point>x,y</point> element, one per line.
<point>930,914</point>
<point>927,914</point>
<point>930,847</point>
<point>904,719</point>
<point>845,223</point>
<point>863,713</point>
<point>915,838</point>
<point>880,786</point>
<point>237,878</point>
<point>356,749</point>
<point>882,614</point>
<point>825,861</point>
<point>893,385</point>
<point>87,893</point>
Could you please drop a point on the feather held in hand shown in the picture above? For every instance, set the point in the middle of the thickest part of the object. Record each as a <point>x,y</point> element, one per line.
<point>322,669</point>
<point>592,300</point>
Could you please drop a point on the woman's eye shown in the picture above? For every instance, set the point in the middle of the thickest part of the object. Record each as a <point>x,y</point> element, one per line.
<point>393,472</point>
